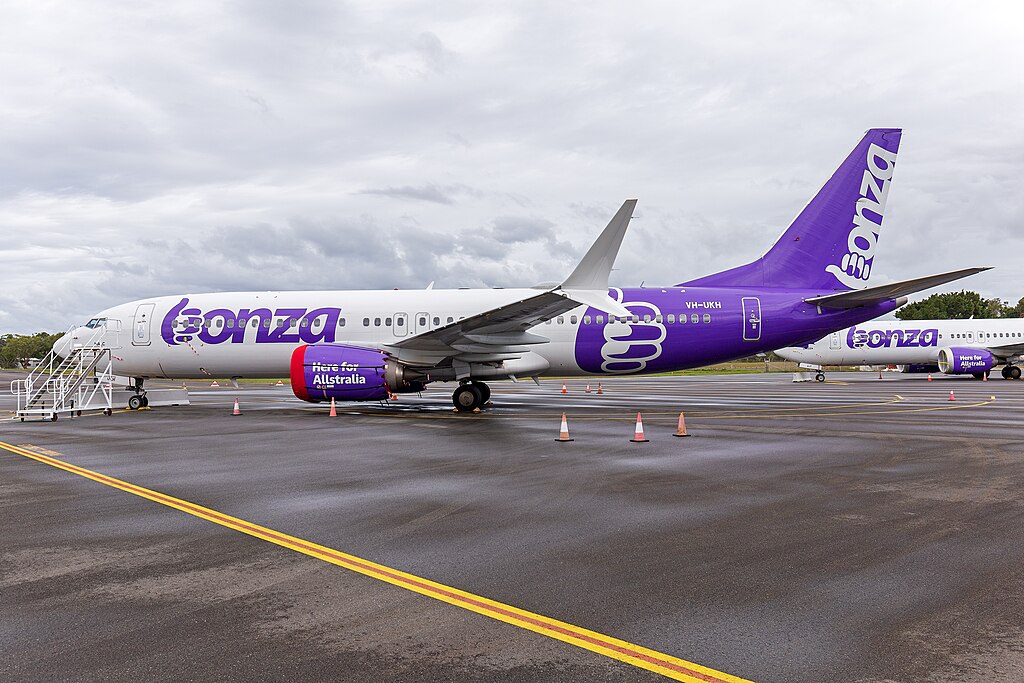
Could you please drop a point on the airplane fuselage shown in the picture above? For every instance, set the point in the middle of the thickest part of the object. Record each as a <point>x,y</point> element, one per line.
<point>253,334</point>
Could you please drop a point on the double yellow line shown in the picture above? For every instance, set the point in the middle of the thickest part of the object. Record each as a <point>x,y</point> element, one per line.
<point>644,658</point>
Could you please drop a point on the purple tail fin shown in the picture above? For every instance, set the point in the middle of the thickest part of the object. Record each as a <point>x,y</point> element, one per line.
<point>831,244</point>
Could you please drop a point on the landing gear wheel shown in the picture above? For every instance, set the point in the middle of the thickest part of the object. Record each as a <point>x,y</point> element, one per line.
<point>820,377</point>
<point>1014,372</point>
<point>1006,371</point>
<point>145,401</point>
<point>467,398</point>
<point>485,391</point>
<point>135,402</point>
<point>108,412</point>
<point>53,417</point>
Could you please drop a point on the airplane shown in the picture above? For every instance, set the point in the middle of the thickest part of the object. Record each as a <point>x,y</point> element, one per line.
<point>955,347</point>
<point>372,345</point>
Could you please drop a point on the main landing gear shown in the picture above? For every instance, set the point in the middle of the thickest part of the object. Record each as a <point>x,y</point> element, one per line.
<point>820,377</point>
<point>470,396</point>
<point>1011,372</point>
<point>139,400</point>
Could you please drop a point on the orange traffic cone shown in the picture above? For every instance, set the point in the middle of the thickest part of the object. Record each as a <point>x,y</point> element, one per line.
<point>929,377</point>
<point>279,383</point>
<point>334,409</point>
<point>563,431</point>
<point>984,377</point>
<point>681,429</point>
<point>236,411</point>
<point>564,389</point>
<point>638,433</point>
<point>214,384</point>
<point>951,397</point>
<point>599,389</point>
<point>588,387</point>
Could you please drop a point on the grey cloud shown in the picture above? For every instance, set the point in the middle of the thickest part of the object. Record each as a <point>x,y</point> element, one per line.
<point>253,145</point>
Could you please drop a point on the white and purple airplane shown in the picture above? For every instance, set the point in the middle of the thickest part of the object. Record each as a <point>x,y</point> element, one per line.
<point>366,345</point>
<point>954,347</point>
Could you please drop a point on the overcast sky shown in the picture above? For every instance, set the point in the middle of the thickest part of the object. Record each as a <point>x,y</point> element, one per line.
<point>159,148</point>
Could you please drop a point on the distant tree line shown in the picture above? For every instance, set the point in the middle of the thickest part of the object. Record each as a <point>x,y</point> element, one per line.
<point>960,305</point>
<point>17,349</point>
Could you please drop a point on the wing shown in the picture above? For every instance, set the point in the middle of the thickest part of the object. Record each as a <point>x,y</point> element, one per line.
<point>1005,351</point>
<point>500,334</point>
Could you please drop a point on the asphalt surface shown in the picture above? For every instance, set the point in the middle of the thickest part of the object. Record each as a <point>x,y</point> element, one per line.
<point>857,530</point>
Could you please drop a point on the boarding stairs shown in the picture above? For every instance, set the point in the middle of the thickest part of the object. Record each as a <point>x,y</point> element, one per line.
<point>83,378</point>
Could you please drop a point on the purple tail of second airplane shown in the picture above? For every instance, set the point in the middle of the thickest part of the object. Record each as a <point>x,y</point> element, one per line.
<point>831,244</point>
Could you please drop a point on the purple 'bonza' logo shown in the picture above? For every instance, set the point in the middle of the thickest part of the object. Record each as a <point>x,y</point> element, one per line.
<point>182,324</point>
<point>906,338</point>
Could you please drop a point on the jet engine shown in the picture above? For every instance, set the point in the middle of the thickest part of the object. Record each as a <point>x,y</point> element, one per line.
<point>320,372</point>
<point>965,361</point>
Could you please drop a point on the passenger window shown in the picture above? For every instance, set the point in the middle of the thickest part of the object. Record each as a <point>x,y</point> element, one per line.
<point>694,318</point>
<point>600,320</point>
<point>450,320</point>
<point>636,318</point>
<point>682,318</point>
<point>423,322</point>
<point>304,323</point>
<point>266,324</point>
<point>707,317</point>
<point>561,320</point>
<point>387,321</point>
<point>376,322</point>
<point>341,322</point>
<point>671,318</point>
<point>657,318</point>
<point>573,320</point>
<point>366,322</point>
<point>547,322</point>
<point>647,318</point>
<point>437,321</point>
<point>586,320</point>
<point>231,323</point>
<point>400,321</point>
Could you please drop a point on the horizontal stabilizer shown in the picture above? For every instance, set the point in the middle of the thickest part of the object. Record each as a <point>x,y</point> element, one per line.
<point>875,295</point>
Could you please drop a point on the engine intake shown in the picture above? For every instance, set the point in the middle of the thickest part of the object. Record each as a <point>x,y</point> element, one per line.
<point>965,361</point>
<point>320,372</point>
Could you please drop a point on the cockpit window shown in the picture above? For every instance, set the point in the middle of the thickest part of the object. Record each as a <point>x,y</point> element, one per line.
<point>96,322</point>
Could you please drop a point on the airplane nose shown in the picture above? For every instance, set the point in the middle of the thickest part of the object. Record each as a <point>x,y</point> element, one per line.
<point>62,346</point>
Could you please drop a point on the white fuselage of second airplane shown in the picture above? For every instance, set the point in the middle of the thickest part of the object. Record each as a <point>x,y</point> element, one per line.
<point>899,342</point>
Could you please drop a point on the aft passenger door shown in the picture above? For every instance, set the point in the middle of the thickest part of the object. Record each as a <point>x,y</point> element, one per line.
<point>751,318</point>
<point>142,324</point>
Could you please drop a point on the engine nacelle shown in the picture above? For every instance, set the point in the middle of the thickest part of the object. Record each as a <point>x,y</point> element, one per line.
<point>965,361</point>
<point>320,372</point>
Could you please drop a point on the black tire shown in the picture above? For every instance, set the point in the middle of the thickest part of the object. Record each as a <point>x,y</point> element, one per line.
<point>1014,372</point>
<point>108,412</point>
<point>467,398</point>
<point>485,392</point>
<point>53,417</point>
<point>145,401</point>
<point>135,402</point>
<point>820,377</point>
<point>1006,371</point>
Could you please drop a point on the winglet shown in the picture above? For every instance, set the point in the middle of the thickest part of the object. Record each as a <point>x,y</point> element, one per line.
<point>592,272</point>
<point>588,284</point>
<point>894,290</point>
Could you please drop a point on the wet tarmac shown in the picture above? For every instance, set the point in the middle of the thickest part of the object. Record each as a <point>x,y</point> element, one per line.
<point>863,529</point>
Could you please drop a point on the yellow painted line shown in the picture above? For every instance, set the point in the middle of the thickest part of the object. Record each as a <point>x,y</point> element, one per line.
<point>636,655</point>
